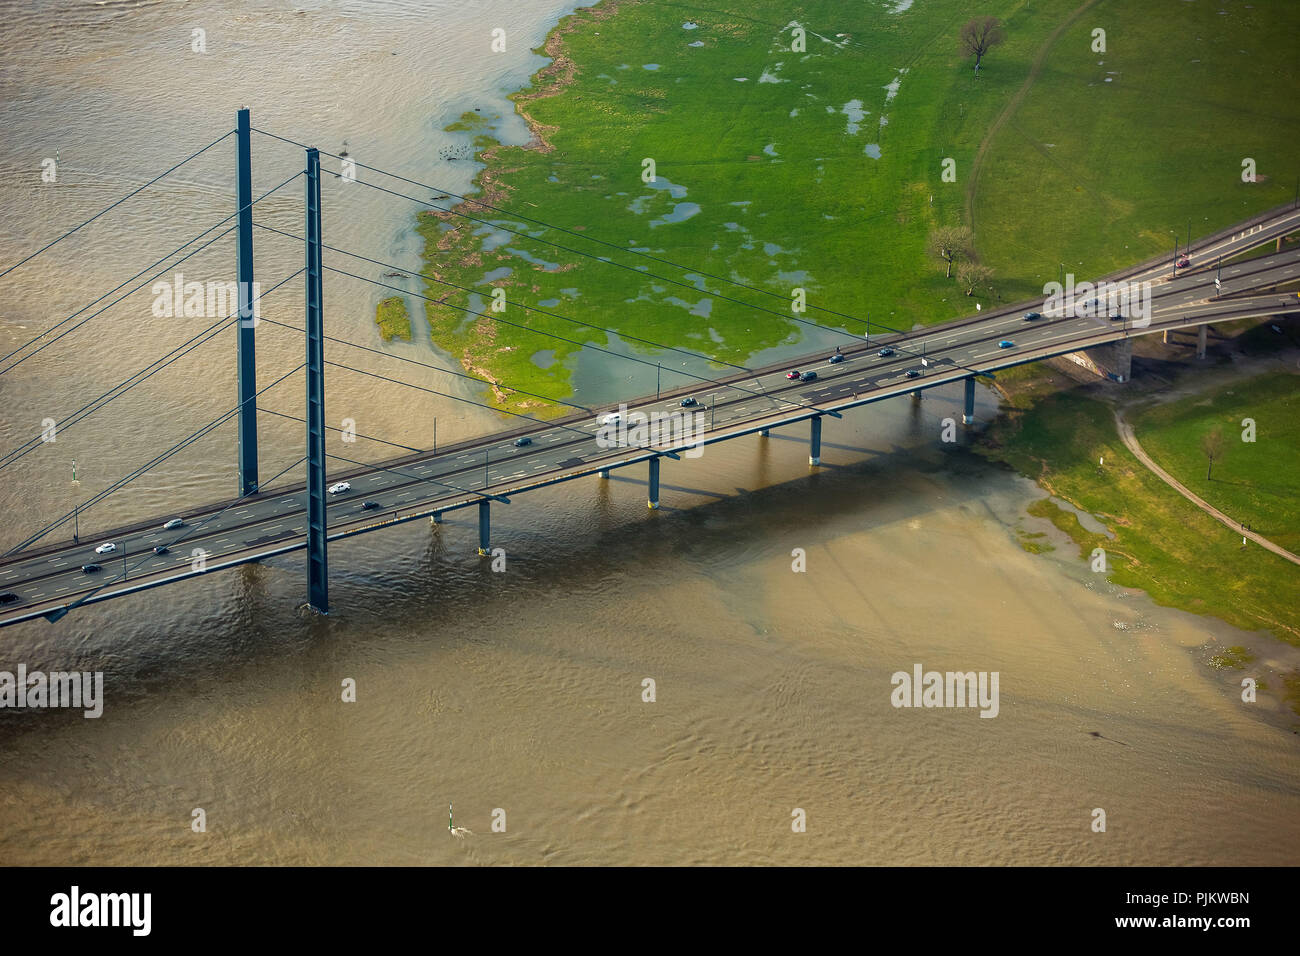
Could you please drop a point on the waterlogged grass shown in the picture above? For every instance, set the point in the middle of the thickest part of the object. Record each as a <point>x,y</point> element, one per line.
<point>1068,522</point>
<point>767,172</point>
<point>393,319</point>
<point>773,167</point>
<point>1236,657</point>
<point>1257,483</point>
<point>1163,544</point>
<point>1111,152</point>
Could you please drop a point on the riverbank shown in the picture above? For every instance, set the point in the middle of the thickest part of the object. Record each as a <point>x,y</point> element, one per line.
<point>1062,432</point>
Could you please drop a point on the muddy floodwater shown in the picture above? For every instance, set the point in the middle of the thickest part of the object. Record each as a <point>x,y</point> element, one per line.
<point>521,695</point>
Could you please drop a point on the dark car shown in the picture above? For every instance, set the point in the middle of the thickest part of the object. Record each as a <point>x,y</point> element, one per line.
<point>885,352</point>
<point>370,506</point>
<point>808,377</point>
<point>836,358</point>
<point>792,374</point>
<point>523,442</point>
<point>1031,316</point>
<point>913,373</point>
<point>688,403</point>
<point>161,549</point>
<point>1184,262</point>
<point>90,568</point>
<point>8,597</point>
<point>1006,344</point>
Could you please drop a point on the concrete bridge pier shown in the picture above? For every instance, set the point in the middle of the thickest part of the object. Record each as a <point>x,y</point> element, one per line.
<point>968,413</point>
<point>435,518</point>
<point>763,432</point>
<point>652,500</point>
<point>1113,360</point>
<point>484,528</point>
<point>815,443</point>
<point>603,473</point>
<point>1201,336</point>
<point>916,397</point>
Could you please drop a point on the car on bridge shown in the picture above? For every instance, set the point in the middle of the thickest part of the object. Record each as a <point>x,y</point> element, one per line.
<point>8,597</point>
<point>174,523</point>
<point>90,568</point>
<point>107,548</point>
<point>523,442</point>
<point>1117,316</point>
<point>792,374</point>
<point>161,549</point>
<point>1006,344</point>
<point>370,506</point>
<point>688,402</point>
<point>613,418</point>
<point>836,358</point>
<point>808,377</point>
<point>339,487</point>
<point>885,352</point>
<point>1033,316</point>
<point>913,373</point>
<point>1183,262</point>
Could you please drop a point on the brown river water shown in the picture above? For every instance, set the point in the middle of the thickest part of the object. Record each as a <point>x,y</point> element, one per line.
<point>522,690</point>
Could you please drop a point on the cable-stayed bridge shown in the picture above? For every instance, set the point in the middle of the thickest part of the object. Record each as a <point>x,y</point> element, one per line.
<point>53,570</point>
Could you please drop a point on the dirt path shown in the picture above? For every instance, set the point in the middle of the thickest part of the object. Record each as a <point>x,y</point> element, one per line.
<point>1012,105</point>
<point>1131,443</point>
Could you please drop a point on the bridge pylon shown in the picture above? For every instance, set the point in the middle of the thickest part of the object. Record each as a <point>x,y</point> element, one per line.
<point>245,351</point>
<point>317,563</point>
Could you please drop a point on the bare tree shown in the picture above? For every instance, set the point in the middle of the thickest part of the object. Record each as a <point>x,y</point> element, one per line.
<point>973,276</point>
<point>950,243</point>
<point>1212,444</point>
<point>979,36</point>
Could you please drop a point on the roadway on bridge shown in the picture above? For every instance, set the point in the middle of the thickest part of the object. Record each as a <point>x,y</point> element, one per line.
<point>45,578</point>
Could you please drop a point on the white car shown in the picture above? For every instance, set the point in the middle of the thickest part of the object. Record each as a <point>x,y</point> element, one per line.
<point>613,418</point>
<point>106,548</point>
<point>339,488</point>
<point>174,523</point>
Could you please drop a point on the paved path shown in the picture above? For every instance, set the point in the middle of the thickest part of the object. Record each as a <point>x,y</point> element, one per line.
<point>1131,443</point>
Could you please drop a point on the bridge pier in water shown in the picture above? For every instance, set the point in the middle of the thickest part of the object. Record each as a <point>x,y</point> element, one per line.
<point>652,500</point>
<point>815,441</point>
<point>968,412</point>
<point>484,527</point>
<point>603,473</point>
<point>763,432</point>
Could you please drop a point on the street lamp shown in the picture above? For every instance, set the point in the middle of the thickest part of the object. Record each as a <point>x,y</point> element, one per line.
<point>1175,235</point>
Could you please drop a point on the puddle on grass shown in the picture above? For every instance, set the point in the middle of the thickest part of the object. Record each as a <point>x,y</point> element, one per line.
<point>703,308</point>
<point>681,212</point>
<point>530,258</point>
<point>872,150</point>
<point>854,111</point>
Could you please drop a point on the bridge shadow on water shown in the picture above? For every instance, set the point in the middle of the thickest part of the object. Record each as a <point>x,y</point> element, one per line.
<point>558,548</point>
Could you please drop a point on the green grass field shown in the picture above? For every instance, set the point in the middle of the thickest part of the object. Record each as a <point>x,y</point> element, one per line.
<point>1164,544</point>
<point>767,168</point>
<point>393,319</point>
<point>1255,482</point>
